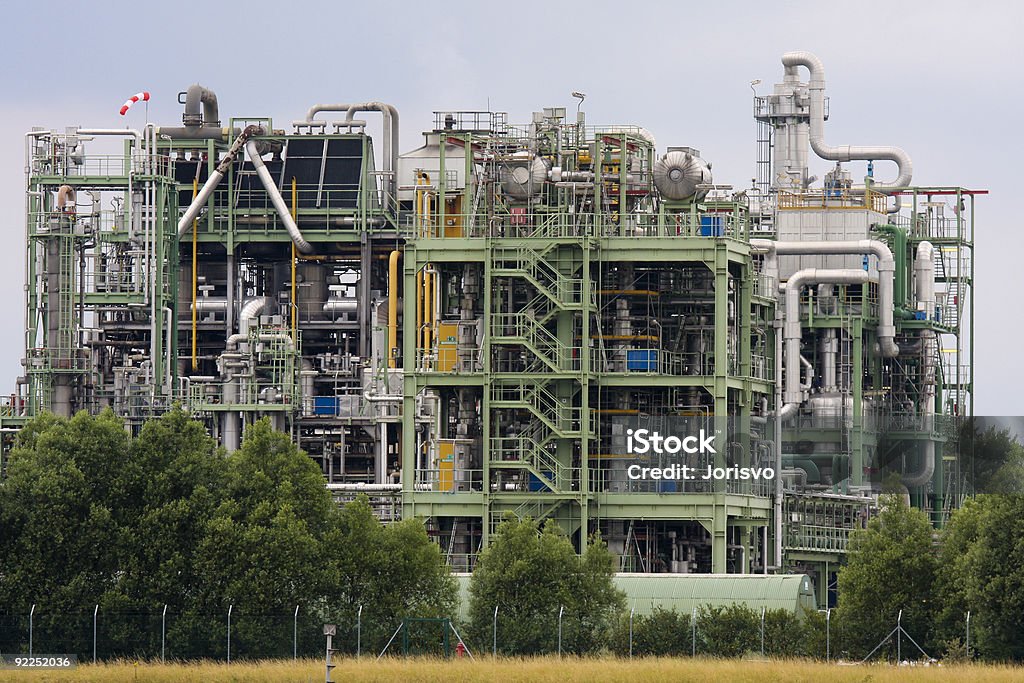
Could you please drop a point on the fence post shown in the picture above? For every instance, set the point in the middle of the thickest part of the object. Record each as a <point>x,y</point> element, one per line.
<point>95,611</point>
<point>230,607</point>
<point>31,616</point>
<point>561,611</point>
<point>693,624</point>
<point>968,634</point>
<point>762,630</point>
<point>631,610</point>
<point>359,632</point>
<point>163,633</point>
<point>295,634</point>
<point>494,641</point>
<point>899,637</point>
<point>828,634</point>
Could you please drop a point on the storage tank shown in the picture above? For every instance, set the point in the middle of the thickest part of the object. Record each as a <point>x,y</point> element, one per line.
<point>678,174</point>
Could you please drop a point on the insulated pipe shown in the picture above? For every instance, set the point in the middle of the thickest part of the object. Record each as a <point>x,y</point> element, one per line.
<point>808,374</point>
<point>924,274</point>
<point>886,274</point>
<point>194,96</point>
<point>829,351</point>
<point>197,132</point>
<point>390,114</point>
<point>252,309</point>
<point>123,132</point>
<point>393,308</point>
<point>793,331</point>
<point>816,86</point>
<point>275,196</point>
<point>192,212</point>
<point>64,194</point>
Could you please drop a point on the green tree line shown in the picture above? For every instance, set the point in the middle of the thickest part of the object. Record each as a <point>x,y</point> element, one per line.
<point>91,516</point>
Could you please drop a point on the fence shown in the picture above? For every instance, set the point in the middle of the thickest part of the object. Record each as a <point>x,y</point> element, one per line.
<point>97,634</point>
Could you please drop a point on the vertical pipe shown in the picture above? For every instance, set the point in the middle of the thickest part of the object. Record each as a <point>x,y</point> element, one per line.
<point>31,618</point>
<point>693,632</point>
<point>631,611</point>
<point>295,301</point>
<point>195,280</point>
<point>95,612</point>
<point>359,632</point>
<point>295,627</point>
<point>393,308</point>
<point>428,300</point>
<point>561,611</point>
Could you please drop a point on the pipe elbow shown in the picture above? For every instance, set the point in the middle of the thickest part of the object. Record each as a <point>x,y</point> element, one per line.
<point>809,60</point>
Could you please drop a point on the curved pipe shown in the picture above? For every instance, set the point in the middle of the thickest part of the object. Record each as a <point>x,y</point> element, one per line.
<point>886,276</point>
<point>204,194</point>
<point>391,129</point>
<point>121,132</point>
<point>252,309</point>
<point>275,197</point>
<point>65,193</point>
<point>393,308</point>
<point>794,333</point>
<point>195,96</point>
<point>816,86</point>
<point>924,271</point>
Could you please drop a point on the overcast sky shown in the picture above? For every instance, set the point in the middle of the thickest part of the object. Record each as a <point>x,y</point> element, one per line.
<point>940,79</point>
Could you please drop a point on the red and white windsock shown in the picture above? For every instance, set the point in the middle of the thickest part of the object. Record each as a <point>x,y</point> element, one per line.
<point>144,96</point>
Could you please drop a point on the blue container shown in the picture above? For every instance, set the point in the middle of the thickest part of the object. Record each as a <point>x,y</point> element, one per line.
<point>712,226</point>
<point>325,406</point>
<point>536,485</point>
<point>642,360</point>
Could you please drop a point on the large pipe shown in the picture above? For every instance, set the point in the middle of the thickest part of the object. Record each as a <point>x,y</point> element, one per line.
<point>393,308</point>
<point>793,330</point>
<point>816,86</point>
<point>275,197</point>
<point>250,311</point>
<point>192,212</point>
<point>886,276</point>
<point>924,275</point>
<point>195,96</point>
<point>390,114</point>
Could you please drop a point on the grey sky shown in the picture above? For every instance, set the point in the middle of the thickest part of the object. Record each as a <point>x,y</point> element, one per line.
<point>940,79</point>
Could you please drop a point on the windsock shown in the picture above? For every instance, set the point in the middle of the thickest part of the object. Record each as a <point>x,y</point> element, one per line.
<point>144,96</point>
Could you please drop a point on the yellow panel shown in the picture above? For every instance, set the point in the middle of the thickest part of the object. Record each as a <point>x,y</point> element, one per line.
<point>447,346</point>
<point>445,464</point>
<point>453,216</point>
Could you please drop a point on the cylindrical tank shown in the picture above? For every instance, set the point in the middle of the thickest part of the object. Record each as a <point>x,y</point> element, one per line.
<point>523,176</point>
<point>678,173</point>
<point>312,290</point>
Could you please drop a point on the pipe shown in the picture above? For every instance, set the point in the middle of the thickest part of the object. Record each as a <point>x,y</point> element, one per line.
<point>886,273</point>
<point>65,193</point>
<point>275,197</point>
<point>295,301</point>
<point>390,114</point>
<point>194,96</point>
<point>197,133</point>
<point>793,331</point>
<point>252,309</point>
<point>816,86</point>
<point>829,352</point>
<point>210,304</point>
<point>393,308</point>
<point>122,132</point>
<point>195,281</point>
<point>333,307</point>
<point>899,248</point>
<point>360,486</point>
<point>192,212</point>
<point>808,373</point>
<point>924,272</point>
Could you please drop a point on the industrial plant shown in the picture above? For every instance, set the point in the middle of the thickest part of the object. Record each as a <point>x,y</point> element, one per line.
<point>476,328</point>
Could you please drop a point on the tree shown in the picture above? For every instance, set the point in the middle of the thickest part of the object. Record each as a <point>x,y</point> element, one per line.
<point>530,574</point>
<point>891,567</point>
<point>982,571</point>
<point>392,572</point>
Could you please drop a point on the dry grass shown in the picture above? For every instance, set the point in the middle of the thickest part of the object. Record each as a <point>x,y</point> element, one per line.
<point>540,669</point>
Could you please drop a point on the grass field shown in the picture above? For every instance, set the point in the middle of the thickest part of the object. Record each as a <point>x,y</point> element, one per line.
<point>541,669</point>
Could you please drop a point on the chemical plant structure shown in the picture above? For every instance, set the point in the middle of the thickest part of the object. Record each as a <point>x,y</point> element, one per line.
<point>470,331</point>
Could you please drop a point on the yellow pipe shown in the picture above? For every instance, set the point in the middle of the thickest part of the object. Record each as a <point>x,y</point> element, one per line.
<point>428,302</point>
<point>393,307</point>
<point>195,280</point>
<point>419,308</point>
<point>295,303</point>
